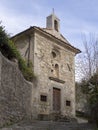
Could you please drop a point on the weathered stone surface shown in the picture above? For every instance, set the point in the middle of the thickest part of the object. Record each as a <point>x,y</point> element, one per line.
<point>15,93</point>
<point>43,64</point>
<point>53,64</point>
<point>44,67</point>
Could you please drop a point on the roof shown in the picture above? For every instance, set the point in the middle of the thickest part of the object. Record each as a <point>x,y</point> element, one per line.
<point>50,32</point>
<point>56,34</point>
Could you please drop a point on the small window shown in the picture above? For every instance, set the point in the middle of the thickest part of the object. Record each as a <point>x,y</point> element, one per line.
<point>68,103</point>
<point>43,98</point>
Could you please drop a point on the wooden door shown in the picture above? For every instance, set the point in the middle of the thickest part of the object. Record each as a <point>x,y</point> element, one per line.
<point>56,99</point>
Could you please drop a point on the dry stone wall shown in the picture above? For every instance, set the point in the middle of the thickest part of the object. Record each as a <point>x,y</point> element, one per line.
<point>15,93</point>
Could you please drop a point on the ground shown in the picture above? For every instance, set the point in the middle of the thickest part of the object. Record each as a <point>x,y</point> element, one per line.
<point>51,125</point>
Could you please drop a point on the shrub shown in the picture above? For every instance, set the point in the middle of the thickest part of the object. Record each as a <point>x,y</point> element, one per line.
<point>10,51</point>
<point>7,47</point>
<point>26,71</point>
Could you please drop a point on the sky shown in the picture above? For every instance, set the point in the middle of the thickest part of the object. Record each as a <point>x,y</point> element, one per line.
<point>77,17</point>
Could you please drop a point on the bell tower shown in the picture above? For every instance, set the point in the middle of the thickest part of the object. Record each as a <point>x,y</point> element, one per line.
<point>52,22</point>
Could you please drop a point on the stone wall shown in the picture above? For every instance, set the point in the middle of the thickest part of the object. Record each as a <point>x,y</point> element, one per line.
<point>15,93</point>
<point>44,64</point>
<point>52,72</point>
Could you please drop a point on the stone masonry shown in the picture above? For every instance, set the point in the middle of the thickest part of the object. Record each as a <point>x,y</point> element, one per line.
<point>53,64</point>
<point>15,93</point>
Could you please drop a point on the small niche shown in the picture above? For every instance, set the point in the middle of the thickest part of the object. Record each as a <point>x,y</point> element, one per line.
<point>69,67</point>
<point>53,54</point>
<point>57,70</point>
<point>51,70</point>
<point>56,66</point>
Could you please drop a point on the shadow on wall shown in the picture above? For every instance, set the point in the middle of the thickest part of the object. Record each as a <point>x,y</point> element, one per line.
<point>15,93</point>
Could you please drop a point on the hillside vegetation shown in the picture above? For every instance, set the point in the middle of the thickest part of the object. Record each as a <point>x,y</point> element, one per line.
<point>9,50</point>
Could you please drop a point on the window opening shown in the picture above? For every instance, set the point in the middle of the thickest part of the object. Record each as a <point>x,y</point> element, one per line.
<point>43,98</point>
<point>68,103</point>
<point>55,25</point>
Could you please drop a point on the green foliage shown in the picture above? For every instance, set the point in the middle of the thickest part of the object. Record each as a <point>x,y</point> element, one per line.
<point>93,98</point>
<point>26,71</point>
<point>90,87</point>
<point>84,86</point>
<point>82,115</point>
<point>10,51</point>
<point>94,89</point>
<point>96,129</point>
<point>3,36</point>
<point>7,47</point>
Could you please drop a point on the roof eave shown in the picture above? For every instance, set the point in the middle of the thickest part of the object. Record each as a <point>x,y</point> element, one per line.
<point>27,32</point>
<point>74,49</point>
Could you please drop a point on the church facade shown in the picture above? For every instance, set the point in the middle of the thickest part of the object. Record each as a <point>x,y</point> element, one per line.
<point>53,59</point>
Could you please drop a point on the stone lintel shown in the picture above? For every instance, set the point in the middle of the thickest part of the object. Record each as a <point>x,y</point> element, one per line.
<point>57,80</point>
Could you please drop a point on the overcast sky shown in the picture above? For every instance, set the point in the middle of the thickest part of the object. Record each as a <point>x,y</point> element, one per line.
<point>76,16</point>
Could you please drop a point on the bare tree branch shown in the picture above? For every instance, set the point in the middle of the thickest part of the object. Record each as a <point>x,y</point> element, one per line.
<point>87,61</point>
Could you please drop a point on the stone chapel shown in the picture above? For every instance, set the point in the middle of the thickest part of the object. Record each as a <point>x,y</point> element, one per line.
<point>53,59</point>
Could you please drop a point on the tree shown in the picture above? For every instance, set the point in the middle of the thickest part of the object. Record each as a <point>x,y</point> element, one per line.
<point>93,98</point>
<point>87,61</point>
